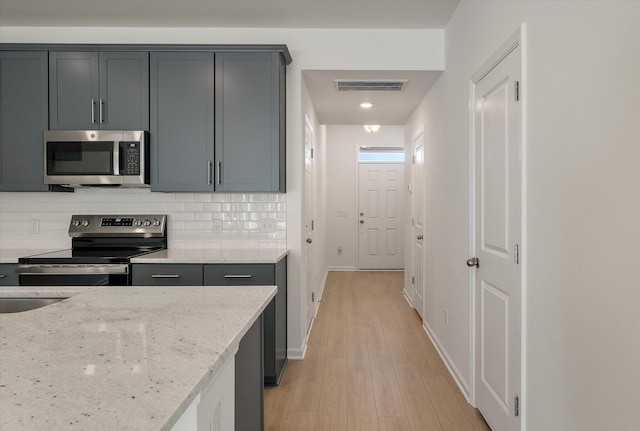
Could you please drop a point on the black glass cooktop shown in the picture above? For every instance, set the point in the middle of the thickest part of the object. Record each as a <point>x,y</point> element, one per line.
<point>85,256</point>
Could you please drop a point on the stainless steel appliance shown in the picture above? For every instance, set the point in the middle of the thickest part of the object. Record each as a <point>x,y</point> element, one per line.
<point>102,247</point>
<point>96,157</point>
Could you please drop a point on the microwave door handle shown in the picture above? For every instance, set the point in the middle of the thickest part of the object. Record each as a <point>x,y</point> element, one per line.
<point>117,158</point>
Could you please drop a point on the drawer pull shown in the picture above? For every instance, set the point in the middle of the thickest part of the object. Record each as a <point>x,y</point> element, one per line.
<point>2,276</point>
<point>165,275</point>
<point>238,276</point>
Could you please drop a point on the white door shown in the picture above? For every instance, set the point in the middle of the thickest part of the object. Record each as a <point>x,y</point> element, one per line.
<point>381,216</point>
<point>497,139</point>
<point>418,224</point>
<point>308,223</point>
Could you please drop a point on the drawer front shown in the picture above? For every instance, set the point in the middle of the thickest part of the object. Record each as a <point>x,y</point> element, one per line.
<point>166,275</point>
<point>239,274</point>
<point>8,276</point>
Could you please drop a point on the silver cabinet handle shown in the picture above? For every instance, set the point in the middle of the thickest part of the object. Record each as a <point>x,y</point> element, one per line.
<point>473,261</point>
<point>210,173</point>
<point>219,172</point>
<point>238,276</point>
<point>165,275</point>
<point>100,111</point>
<point>93,111</point>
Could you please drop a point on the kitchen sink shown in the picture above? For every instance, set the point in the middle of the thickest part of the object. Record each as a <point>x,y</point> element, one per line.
<point>16,305</point>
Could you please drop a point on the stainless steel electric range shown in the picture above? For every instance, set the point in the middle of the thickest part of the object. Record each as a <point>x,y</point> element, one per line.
<point>102,247</point>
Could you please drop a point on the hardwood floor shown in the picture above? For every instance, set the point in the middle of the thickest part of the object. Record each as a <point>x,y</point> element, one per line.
<point>369,366</point>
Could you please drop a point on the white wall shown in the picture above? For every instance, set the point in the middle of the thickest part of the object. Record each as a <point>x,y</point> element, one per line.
<point>342,195</point>
<point>318,49</point>
<point>582,203</point>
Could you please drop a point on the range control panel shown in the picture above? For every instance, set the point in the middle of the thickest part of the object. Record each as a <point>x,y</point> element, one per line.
<point>145,225</point>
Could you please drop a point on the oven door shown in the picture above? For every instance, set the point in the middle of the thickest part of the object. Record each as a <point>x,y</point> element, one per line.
<point>74,275</point>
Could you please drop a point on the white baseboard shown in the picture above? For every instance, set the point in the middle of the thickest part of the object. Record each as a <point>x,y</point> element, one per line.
<point>406,297</point>
<point>341,268</point>
<point>297,354</point>
<point>451,366</point>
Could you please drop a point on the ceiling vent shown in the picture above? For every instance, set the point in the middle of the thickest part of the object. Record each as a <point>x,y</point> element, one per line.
<point>370,84</point>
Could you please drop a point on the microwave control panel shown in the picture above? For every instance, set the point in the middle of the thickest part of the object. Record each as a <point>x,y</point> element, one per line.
<point>131,151</point>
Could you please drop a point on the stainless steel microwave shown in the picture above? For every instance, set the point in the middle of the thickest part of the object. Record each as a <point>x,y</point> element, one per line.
<point>96,157</point>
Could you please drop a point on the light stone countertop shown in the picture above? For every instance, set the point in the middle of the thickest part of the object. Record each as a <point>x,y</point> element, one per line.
<point>11,255</point>
<point>119,358</point>
<point>213,256</point>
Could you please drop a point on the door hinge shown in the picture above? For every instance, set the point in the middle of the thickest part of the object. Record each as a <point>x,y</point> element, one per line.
<point>313,297</point>
<point>516,254</point>
<point>312,225</point>
<point>312,153</point>
<point>413,280</point>
<point>413,159</point>
<point>516,406</point>
<point>516,90</point>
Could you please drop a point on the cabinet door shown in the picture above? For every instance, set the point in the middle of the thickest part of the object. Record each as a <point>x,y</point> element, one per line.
<point>24,115</point>
<point>124,91</point>
<point>249,401</point>
<point>182,121</point>
<point>8,276</point>
<point>73,90</point>
<point>166,275</point>
<point>249,127</point>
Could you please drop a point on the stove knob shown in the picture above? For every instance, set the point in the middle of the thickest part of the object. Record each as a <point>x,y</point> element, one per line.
<point>85,223</point>
<point>137,222</point>
<point>156,222</point>
<point>147,222</point>
<point>76,222</point>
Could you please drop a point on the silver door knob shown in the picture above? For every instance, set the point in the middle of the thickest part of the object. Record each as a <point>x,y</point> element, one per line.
<point>309,240</point>
<point>473,261</point>
<point>420,237</point>
<point>361,221</point>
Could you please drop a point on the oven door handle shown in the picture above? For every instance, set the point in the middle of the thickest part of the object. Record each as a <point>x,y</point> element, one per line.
<point>72,270</point>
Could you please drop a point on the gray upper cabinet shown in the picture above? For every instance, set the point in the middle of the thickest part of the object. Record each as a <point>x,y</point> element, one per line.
<point>182,121</point>
<point>23,118</point>
<point>99,90</point>
<point>217,122</point>
<point>250,119</point>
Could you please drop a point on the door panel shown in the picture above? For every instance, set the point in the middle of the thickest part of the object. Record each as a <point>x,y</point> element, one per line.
<point>380,242</point>
<point>418,226</point>
<point>498,228</point>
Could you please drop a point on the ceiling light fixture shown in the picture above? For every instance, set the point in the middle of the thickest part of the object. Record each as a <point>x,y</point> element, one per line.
<point>372,128</point>
<point>366,105</point>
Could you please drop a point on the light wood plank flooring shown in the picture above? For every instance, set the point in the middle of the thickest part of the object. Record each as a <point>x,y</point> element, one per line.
<point>369,366</point>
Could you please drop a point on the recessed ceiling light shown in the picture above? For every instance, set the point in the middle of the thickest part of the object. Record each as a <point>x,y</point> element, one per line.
<point>366,105</point>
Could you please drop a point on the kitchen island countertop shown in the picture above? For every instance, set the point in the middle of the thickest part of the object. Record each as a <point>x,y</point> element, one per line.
<point>125,358</point>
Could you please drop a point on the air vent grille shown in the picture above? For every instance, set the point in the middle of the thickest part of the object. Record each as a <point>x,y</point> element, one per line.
<point>370,84</point>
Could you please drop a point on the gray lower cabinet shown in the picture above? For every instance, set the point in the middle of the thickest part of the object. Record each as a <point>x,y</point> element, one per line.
<point>249,386</point>
<point>99,90</point>
<point>8,276</point>
<point>275,315</point>
<point>24,116</point>
<point>217,122</point>
<point>250,119</point>
<point>166,275</point>
<point>182,121</point>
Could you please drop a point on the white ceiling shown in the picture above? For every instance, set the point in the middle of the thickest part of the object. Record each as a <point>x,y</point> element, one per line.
<point>331,107</point>
<point>229,13</point>
<point>389,107</point>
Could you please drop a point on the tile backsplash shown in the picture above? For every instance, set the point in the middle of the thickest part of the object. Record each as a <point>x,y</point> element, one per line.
<point>41,220</point>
